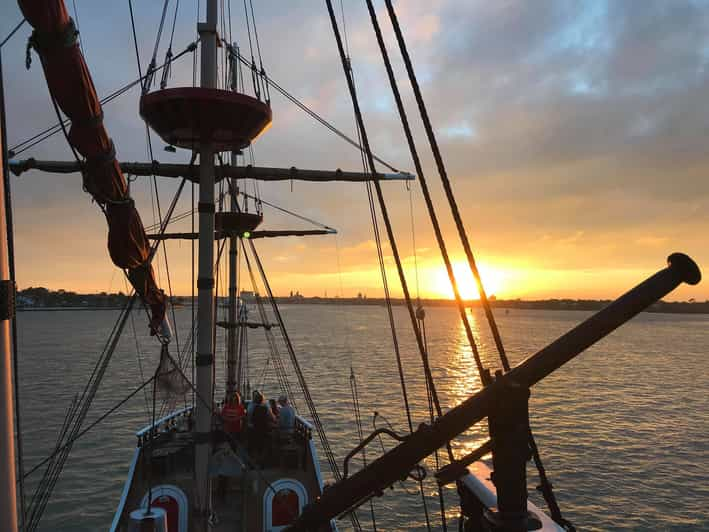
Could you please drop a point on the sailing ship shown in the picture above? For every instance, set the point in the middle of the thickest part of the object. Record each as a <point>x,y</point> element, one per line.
<point>189,470</point>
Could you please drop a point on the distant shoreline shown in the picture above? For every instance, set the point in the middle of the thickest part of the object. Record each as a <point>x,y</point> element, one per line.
<point>58,309</point>
<point>661,307</point>
<point>674,307</point>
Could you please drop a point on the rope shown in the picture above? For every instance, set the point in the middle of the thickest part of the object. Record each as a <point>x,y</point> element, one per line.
<point>64,130</point>
<point>236,444</point>
<point>91,426</point>
<point>74,420</point>
<point>56,128</point>
<point>262,72</point>
<point>421,316</point>
<point>135,42</point>
<point>168,55</point>
<point>285,211</point>
<point>339,268</point>
<point>150,73</point>
<point>301,379</point>
<point>382,205</point>
<point>360,434</point>
<point>426,192</point>
<point>287,95</point>
<point>149,76</point>
<point>12,32</point>
<point>258,46</point>
<point>274,352</point>
<point>382,267</point>
<point>252,66</point>
<point>138,356</point>
<point>78,28</point>
<point>79,409</point>
<point>231,38</point>
<point>446,184</point>
<point>413,244</point>
<point>392,241</point>
<point>546,485</point>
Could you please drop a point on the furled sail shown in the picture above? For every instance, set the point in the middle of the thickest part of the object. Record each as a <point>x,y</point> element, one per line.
<point>70,84</point>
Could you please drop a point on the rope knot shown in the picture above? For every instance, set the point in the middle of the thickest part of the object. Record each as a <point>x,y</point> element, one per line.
<point>43,42</point>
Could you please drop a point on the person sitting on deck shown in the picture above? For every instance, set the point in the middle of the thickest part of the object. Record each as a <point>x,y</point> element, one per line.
<point>286,417</point>
<point>233,414</point>
<point>274,408</point>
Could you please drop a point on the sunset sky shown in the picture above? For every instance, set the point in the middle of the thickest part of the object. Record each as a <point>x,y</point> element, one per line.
<point>576,136</point>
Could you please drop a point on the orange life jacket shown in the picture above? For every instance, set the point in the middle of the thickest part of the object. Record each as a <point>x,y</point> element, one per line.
<point>233,416</point>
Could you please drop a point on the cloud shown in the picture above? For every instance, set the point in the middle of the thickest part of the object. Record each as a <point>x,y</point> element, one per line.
<point>575,134</point>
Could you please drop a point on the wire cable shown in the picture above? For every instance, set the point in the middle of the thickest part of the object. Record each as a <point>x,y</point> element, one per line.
<point>446,183</point>
<point>101,418</point>
<point>546,485</point>
<point>382,204</point>
<point>334,467</point>
<point>426,193</point>
<point>12,32</point>
<point>56,128</point>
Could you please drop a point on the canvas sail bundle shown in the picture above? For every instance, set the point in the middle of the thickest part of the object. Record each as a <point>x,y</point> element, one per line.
<point>72,89</point>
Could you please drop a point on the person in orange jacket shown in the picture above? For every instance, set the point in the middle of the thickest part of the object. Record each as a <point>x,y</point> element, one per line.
<point>233,414</point>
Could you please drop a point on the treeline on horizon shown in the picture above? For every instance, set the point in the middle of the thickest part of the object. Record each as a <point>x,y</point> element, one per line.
<point>39,297</point>
<point>42,297</point>
<point>679,307</point>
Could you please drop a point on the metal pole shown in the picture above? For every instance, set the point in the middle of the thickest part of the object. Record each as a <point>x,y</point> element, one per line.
<point>231,384</point>
<point>8,480</point>
<point>205,280</point>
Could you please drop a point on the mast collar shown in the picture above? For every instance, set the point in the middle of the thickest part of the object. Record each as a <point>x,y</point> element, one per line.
<point>7,299</point>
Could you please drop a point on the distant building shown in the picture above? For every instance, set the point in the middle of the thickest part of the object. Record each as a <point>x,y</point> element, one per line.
<point>247,296</point>
<point>24,301</point>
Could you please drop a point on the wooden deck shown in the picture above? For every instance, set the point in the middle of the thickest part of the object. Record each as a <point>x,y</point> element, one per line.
<point>244,483</point>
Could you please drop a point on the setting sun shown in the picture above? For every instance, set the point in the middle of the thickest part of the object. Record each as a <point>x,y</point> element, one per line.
<point>439,285</point>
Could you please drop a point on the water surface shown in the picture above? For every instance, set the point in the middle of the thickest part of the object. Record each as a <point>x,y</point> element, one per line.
<point>623,429</point>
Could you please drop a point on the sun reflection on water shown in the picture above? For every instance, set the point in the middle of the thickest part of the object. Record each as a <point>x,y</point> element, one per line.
<point>465,382</point>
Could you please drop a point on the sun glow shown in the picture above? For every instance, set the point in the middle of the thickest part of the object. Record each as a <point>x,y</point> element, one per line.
<point>439,284</point>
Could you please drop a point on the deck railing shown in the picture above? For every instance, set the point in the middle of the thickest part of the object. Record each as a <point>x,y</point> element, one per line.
<point>303,429</point>
<point>162,425</point>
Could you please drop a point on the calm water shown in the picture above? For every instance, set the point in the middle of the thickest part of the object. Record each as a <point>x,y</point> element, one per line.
<point>623,429</point>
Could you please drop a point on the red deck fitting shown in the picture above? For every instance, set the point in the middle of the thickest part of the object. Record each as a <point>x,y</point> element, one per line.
<point>185,116</point>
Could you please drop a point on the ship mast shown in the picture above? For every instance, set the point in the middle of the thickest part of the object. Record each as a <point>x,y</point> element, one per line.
<point>205,278</point>
<point>231,384</point>
<point>8,481</point>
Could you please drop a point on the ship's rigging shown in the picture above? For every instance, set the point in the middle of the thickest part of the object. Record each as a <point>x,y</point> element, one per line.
<point>72,91</point>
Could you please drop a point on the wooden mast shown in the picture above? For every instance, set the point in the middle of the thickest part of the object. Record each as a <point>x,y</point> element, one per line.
<point>8,480</point>
<point>205,282</point>
<point>231,384</point>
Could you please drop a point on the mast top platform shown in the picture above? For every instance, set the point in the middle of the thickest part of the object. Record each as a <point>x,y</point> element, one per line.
<point>187,116</point>
<point>236,222</point>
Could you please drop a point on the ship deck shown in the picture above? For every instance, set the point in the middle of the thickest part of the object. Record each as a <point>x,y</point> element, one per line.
<point>248,484</point>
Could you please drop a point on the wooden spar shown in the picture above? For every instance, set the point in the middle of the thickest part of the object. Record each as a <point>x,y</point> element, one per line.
<point>399,461</point>
<point>191,172</point>
<point>218,235</point>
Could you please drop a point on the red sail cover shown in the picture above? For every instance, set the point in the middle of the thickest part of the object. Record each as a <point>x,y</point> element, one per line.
<point>71,86</point>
